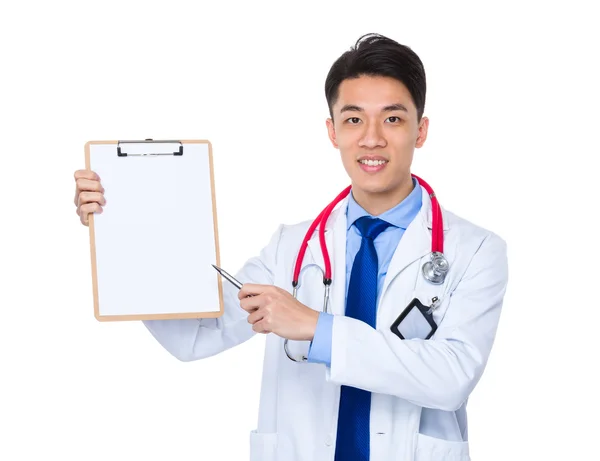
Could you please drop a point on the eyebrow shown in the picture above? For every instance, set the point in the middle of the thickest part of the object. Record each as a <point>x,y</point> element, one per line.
<point>390,108</point>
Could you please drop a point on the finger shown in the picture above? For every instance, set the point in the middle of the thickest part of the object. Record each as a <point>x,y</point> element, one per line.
<point>83,174</point>
<point>87,185</point>
<point>85,210</point>
<point>256,316</point>
<point>86,174</point>
<point>261,327</point>
<point>90,197</point>
<point>252,289</point>
<point>251,303</point>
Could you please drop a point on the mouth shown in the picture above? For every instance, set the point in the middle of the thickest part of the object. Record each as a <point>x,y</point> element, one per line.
<point>372,164</point>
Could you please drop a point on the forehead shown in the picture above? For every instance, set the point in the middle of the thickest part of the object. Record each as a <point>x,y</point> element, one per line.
<point>373,92</point>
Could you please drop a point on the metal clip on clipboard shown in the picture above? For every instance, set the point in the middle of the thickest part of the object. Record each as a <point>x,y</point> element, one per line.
<point>120,153</point>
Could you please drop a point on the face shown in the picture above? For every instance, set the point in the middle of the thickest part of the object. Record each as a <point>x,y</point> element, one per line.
<point>376,130</point>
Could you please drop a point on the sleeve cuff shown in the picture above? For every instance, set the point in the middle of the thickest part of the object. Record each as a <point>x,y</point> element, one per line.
<point>320,347</point>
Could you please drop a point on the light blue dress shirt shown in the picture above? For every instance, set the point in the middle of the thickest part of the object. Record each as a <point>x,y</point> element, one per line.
<point>385,244</point>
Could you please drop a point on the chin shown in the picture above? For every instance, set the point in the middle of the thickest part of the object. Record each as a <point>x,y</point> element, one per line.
<point>373,187</point>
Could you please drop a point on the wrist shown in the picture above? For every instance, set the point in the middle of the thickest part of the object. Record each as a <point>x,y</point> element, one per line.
<point>311,324</point>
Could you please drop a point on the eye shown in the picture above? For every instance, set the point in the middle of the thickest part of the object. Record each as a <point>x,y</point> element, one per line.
<point>394,119</point>
<point>353,120</point>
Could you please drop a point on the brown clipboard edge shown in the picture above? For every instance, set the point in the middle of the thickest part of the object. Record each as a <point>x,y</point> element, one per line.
<point>190,315</point>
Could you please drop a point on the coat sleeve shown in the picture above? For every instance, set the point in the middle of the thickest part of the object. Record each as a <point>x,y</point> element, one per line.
<point>194,339</point>
<point>441,372</point>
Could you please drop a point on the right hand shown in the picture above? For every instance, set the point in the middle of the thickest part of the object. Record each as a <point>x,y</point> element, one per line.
<point>89,196</point>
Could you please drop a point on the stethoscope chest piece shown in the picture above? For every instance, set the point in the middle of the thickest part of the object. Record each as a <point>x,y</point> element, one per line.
<point>436,269</point>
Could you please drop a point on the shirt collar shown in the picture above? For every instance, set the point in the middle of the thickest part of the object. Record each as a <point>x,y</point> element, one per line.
<point>400,216</point>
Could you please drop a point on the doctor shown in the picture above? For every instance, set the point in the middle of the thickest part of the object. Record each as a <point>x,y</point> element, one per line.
<point>386,371</point>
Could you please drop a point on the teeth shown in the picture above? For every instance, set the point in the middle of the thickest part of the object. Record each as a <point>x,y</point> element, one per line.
<point>372,162</point>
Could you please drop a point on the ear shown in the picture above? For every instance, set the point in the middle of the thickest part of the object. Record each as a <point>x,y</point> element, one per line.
<point>331,132</point>
<point>423,128</point>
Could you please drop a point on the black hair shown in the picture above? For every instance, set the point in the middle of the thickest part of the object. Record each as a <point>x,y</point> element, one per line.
<point>375,55</point>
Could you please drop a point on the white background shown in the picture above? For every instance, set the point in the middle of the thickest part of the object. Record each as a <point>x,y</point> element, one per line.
<point>513,100</point>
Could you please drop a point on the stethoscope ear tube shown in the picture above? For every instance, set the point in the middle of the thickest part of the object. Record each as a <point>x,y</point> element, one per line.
<point>290,356</point>
<point>437,226</point>
<point>321,219</point>
<point>325,309</point>
<point>436,269</point>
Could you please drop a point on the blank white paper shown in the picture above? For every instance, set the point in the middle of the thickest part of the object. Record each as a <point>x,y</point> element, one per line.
<point>155,239</point>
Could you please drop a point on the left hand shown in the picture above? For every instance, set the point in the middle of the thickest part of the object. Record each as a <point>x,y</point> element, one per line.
<point>274,310</point>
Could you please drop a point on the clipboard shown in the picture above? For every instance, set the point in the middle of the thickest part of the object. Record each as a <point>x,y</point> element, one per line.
<point>154,242</point>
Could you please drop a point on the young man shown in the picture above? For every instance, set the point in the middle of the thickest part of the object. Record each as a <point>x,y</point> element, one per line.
<point>366,391</point>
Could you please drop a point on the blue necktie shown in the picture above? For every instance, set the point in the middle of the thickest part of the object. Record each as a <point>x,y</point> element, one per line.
<point>353,434</point>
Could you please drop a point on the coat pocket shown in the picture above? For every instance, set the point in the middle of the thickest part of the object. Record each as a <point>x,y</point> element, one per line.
<point>263,446</point>
<point>434,449</point>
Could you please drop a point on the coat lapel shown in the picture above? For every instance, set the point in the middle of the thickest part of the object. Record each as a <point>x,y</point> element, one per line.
<point>416,241</point>
<point>414,244</point>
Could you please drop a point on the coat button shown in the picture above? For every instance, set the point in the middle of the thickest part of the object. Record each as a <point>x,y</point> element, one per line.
<point>329,441</point>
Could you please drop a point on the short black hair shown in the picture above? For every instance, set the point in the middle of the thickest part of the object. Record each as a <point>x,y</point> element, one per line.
<point>375,55</point>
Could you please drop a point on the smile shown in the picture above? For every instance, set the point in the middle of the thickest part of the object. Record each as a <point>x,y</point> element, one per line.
<point>372,162</point>
<point>372,165</point>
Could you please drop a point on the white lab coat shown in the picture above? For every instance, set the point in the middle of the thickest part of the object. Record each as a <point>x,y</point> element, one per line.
<point>299,401</point>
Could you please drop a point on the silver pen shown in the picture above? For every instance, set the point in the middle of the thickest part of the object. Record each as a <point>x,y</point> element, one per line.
<point>229,277</point>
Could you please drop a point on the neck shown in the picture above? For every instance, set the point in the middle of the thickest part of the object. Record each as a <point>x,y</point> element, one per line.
<point>376,203</point>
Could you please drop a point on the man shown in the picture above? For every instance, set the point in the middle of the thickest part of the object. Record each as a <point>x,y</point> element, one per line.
<point>365,392</point>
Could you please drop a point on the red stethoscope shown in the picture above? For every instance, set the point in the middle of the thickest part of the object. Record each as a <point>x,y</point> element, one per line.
<point>434,271</point>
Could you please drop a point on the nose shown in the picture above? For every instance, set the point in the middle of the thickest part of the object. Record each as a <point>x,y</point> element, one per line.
<point>372,136</point>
